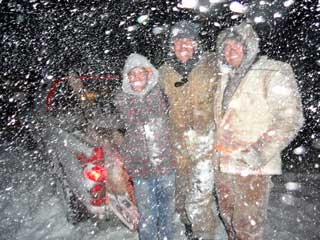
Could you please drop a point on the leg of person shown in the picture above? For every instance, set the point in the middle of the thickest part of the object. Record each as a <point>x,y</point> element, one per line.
<point>251,206</point>
<point>182,186</point>
<point>147,206</point>
<point>166,203</point>
<point>200,200</point>
<point>226,200</point>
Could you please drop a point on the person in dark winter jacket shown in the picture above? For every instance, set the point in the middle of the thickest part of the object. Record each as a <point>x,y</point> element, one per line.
<point>146,147</point>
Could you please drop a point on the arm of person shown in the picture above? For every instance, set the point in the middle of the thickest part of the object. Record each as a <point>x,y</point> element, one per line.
<point>203,115</point>
<point>203,98</point>
<point>285,103</point>
<point>104,121</point>
<point>75,83</point>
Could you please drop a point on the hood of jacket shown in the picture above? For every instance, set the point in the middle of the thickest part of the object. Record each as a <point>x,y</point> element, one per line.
<point>244,34</point>
<point>133,61</point>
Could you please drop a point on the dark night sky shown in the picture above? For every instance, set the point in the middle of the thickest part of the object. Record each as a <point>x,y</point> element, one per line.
<point>40,31</point>
<point>38,34</point>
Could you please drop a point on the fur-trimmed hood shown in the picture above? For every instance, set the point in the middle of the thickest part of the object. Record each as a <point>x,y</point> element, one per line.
<point>244,34</point>
<point>137,60</point>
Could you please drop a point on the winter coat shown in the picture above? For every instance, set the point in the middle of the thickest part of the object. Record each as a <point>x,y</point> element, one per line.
<point>257,103</point>
<point>190,105</point>
<point>190,88</point>
<point>146,146</point>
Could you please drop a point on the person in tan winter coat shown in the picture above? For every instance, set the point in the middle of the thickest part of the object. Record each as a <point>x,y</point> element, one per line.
<point>189,80</point>
<point>258,112</point>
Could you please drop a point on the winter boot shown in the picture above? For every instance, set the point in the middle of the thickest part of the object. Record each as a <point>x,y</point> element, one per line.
<point>189,232</point>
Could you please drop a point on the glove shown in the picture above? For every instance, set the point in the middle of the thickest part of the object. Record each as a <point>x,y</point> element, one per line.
<point>249,157</point>
<point>198,145</point>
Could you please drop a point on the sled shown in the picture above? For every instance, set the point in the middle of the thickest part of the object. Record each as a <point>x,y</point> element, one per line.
<point>120,202</point>
<point>90,166</point>
<point>125,210</point>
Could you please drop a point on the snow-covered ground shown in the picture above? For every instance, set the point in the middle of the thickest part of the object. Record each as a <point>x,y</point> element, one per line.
<point>32,206</point>
<point>294,212</point>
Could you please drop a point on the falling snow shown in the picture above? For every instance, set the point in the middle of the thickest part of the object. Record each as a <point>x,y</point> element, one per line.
<point>43,42</point>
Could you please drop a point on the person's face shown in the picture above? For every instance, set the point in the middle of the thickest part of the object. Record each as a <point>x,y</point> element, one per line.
<point>233,53</point>
<point>184,49</point>
<point>117,138</point>
<point>138,78</point>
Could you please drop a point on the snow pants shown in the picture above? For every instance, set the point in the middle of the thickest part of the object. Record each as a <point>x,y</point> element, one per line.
<point>194,195</point>
<point>243,203</point>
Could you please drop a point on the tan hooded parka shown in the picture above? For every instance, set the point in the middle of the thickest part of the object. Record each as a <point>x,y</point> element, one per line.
<point>263,108</point>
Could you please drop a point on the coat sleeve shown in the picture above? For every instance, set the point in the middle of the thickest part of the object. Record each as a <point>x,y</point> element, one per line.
<point>203,121</point>
<point>161,79</point>
<point>284,102</point>
<point>119,103</point>
<point>180,126</point>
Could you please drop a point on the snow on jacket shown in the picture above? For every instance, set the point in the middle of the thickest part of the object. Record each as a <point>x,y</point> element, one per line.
<point>190,88</point>
<point>146,147</point>
<point>190,106</point>
<point>264,106</point>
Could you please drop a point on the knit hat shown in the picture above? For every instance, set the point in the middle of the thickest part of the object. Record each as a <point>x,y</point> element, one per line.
<point>185,29</point>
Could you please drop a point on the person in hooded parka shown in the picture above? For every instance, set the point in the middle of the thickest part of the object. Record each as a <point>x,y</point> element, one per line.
<point>189,78</point>
<point>146,147</point>
<point>258,111</point>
